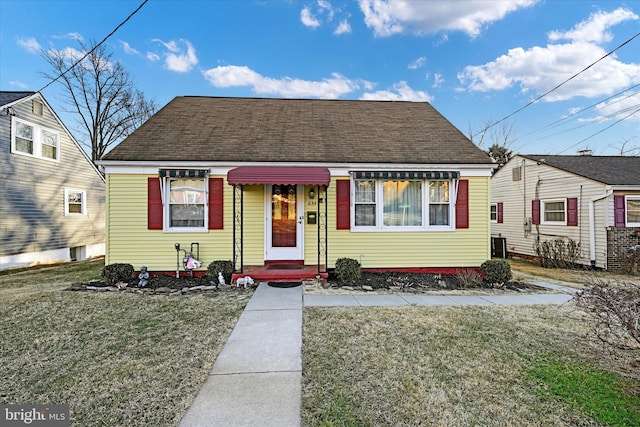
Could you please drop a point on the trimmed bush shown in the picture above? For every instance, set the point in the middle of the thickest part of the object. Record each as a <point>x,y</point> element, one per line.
<point>117,272</point>
<point>496,271</point>
<point>219,266</point>
<point>348,270</point>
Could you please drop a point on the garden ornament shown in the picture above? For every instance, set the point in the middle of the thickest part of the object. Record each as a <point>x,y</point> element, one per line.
<point>143,276</point>
<point>221,278</point>
<point>244,281</point>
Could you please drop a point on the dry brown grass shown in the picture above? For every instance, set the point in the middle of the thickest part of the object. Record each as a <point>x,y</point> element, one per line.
<point>528,270</point>
<point>436,366</point>
<point>116,358</point>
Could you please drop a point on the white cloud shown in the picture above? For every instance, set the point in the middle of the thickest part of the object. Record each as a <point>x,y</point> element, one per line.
<point>326,6</point>
<point>308,19</point>
<point>594,29</point>
<point>323,13</point>
<point>437,80</point>
<point>179,59</point>
<point>128,49</point>
<point>151,56</point>
<point>399,92</point>
<point>418,63</point>
<point>620,107</point>
<point>343,28</point>
<point>388,17</point>
<point>18,84</point>
<point>72,36</point>
<point>541,68</point>
<point>30,44</point>
<point>237,76</point>
<point>70,53</point>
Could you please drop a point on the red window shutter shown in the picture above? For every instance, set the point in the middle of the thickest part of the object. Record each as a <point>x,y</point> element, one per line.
<point>572,211</point>
<point>462,204</point>
<point>154,204</point>
<point>216,204</point>
<point>535,211</point>
<point>500,212</point>
<point>343,204</point>
<point>620,211</point>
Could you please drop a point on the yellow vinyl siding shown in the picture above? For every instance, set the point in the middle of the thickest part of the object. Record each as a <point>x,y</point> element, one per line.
<point>253,224</point>
<point>455,248</point>
<point>129,240</point>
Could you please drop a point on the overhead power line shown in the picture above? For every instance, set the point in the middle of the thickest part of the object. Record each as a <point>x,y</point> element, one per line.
<point>556,87</point>
<point>95,47</point>
<point>583,110</point>
<point>601,130</point>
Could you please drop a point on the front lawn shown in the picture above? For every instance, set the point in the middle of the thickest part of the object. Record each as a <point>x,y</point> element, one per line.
<point>460,366</point>
<point>116,358</point>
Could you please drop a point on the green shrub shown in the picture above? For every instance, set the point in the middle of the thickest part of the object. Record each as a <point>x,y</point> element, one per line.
<point>117,272</point>
<point>348,270</point>
<point>219,266</point>
<point>496,271</point>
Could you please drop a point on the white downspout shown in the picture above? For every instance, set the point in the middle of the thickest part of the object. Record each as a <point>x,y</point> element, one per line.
<point>592,225</point>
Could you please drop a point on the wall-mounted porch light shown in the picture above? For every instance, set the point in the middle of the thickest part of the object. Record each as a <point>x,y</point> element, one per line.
<point>312,194</point>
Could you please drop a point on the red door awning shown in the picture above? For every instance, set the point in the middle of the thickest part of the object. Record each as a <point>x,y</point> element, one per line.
<point>280,175</point>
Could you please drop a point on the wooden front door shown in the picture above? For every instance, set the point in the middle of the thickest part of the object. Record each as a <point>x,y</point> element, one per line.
<point>284,222</point>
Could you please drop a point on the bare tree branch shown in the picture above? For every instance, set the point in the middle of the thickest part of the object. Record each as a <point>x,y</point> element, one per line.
<point>102,95</point>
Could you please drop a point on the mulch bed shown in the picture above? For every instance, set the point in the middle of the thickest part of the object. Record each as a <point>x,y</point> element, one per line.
<point>420,282</point>
<point>392,281</point>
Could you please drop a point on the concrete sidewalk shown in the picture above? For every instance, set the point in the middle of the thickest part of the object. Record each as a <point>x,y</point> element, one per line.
<point>421,299</point>
<point>390,300</point>
<point>257,378</point>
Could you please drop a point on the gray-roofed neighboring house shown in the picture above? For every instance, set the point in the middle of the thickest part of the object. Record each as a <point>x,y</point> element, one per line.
<point>592,200</point>
<point>52,195</point>
<point>298,181</point>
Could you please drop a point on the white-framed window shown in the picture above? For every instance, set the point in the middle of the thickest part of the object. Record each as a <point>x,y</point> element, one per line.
<point>493,213</point>
<point>554,211</point>
<point>32,140</point>
<point>365,203</point>
<point>393,205</point>
<point>75,202</point>
<point>187,204</point>
<point>633,211</point>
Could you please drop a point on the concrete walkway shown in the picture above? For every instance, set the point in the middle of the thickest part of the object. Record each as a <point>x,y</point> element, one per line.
<point>257,377</point>
<point>390,300</point>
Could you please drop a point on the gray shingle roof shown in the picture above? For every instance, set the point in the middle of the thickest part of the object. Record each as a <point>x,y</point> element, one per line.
<point>611,170</point>
<point>298,130</point>
<point>9,97</point>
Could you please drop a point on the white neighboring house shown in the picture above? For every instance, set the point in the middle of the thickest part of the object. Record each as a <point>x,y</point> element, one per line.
<point>594,200</point>
<point>52,197</point>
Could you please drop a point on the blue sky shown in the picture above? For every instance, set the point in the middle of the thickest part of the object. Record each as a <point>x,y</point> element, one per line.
<point>475,61</point>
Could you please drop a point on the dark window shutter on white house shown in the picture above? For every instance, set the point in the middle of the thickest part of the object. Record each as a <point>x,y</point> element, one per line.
<point>535,211</point>
<point>572,211</point>
<point>619,211</point>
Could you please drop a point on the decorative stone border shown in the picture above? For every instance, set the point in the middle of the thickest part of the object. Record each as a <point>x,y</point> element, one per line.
<point>98,286</point>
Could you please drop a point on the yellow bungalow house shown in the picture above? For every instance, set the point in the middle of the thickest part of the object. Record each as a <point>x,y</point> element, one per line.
<point>291,185</point>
